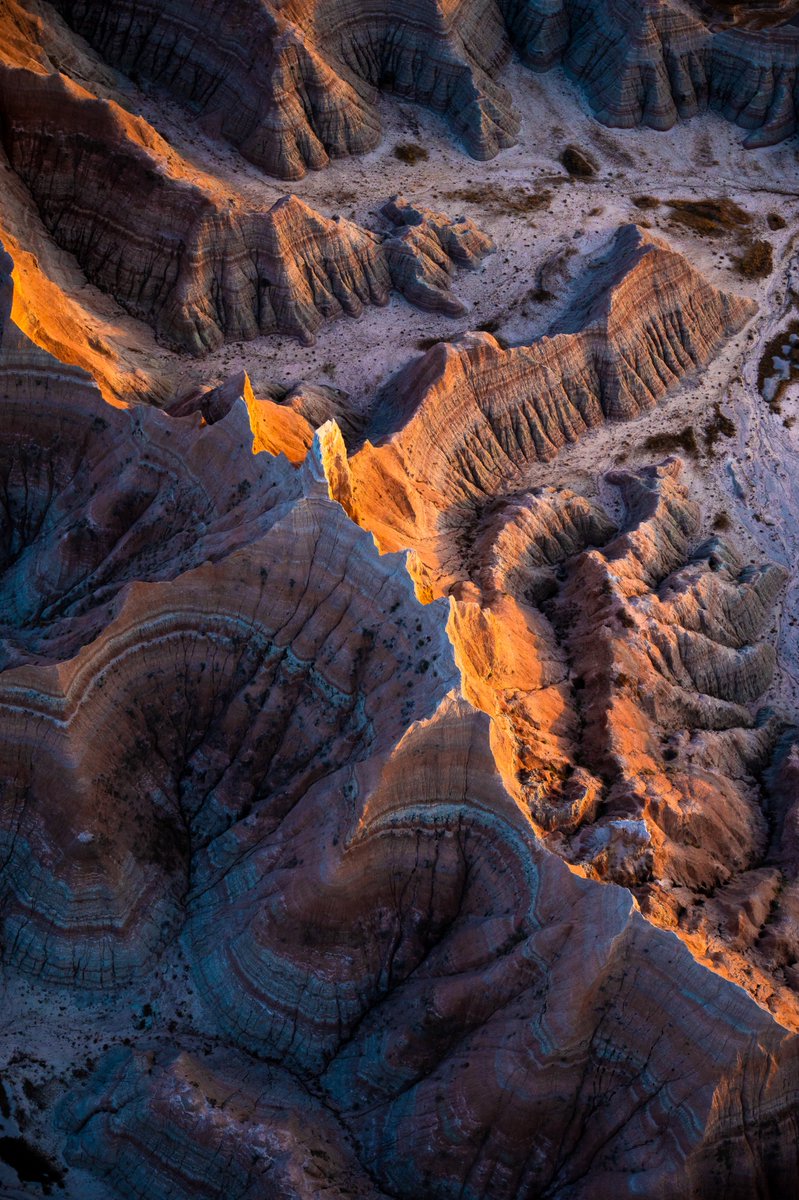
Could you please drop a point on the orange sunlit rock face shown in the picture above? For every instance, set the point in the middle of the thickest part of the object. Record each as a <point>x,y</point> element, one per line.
<point>399,714</point>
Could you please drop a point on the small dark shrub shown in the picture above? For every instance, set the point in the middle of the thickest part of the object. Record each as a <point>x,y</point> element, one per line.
<point>411,153</point>
<point>667,443</point>
<point>711,217</point>
<point>757,261</point>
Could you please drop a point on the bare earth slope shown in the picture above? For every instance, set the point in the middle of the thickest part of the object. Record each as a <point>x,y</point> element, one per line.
<point>264,759</point>
<point>399,717</point>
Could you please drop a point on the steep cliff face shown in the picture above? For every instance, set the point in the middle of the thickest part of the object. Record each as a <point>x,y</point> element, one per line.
<point>655,62</point>
<point>293,85</point>
<point>486,415</point>
<point>202,265</point>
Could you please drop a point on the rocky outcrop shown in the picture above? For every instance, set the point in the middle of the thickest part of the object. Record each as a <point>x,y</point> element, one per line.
<point>205,267</point>
<point>276,428</point>
<point>245,769</point>
<point>523,539</point>
<point>485,416</point>
<point>293,85</point>
<point>424,251</point>
<point>655,62</point>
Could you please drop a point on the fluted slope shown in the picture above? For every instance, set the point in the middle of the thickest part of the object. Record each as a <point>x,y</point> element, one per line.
<point>654,62</point>
<point>253,75</point>
<point>294,84</point>
<point>467,420</point>
<point>643,662</point>
<point>185,1123</point>
<point>200,264</point>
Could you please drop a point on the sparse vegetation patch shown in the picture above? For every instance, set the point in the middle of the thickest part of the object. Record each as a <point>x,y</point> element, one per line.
<point>668,443</point>
<point>411,153</point>
<point>757,261</point>
<point>503,201</point>
<point>710,217</point>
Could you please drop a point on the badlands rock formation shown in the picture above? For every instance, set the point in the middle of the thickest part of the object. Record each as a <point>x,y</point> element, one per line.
<point>643,320</point>
<point>207,267</point>
<point>298,87</point>
<point>399,755</point>
<point>292,85</point>
<point>245,745</point>
<point>652,62</point>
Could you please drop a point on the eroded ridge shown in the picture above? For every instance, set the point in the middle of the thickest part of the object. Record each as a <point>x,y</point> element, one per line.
<point>625,698</point>
<point>300,86</point>
<point>192,257</point>
<point>654,63</point>
<point>467,421</point>
<point>263,757</point>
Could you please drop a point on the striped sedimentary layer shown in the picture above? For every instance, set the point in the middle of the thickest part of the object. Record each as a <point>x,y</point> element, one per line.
<point>655,62</point>
<point>622,670</point>
<point>271,614</point>
<point>173,1122</point>
<point>467,421</point>
<point>195,261</point>
<point>293,85</point>
<point>438,53</point>
<point>412,954</point>
<point>94,498</point>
